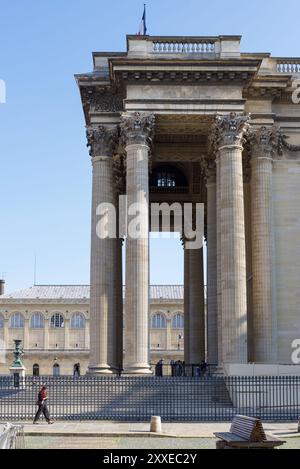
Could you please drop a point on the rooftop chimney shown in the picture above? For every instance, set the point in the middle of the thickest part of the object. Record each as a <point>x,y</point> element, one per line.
<point>2,285</point>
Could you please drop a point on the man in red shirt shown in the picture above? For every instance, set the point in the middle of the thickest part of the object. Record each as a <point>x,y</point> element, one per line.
<point>42,406</point>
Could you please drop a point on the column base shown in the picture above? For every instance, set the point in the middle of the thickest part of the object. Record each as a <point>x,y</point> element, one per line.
<point>139,369</point>
<point>101,370</point>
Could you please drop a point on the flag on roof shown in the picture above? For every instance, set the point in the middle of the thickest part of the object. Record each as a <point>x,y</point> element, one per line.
<point>143,28</point>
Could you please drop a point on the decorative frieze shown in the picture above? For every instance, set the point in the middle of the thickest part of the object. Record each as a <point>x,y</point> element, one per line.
<point>285,144</point>
<point>101,140</point>
<point>102,100</point>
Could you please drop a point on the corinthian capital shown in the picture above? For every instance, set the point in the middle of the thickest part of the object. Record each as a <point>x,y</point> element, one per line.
<point>230,129</point>
<point>101,140</point>
<point>137,128</point>
<point>264,141</point>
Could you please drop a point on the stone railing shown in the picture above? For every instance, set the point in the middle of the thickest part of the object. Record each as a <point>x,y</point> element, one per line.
<point>290,66</point>
<point>185,46</point>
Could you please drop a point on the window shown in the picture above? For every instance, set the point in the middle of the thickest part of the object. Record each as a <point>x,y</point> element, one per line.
<point>77,321</point>
<point>178,321</point>
<point>17,321</point>
<point>158,321</point>
<point>37,321</point>
<point>168,176</point>
<point>36,370</point>
<point>1,321</point>
<point>56,369</point>
<point>57,321</point>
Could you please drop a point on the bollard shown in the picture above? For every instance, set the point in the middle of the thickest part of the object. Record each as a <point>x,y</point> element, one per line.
<point>155,425</point>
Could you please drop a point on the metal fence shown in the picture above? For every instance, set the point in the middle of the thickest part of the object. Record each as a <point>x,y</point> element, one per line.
<point>198,399</point>
<point>180,369</point>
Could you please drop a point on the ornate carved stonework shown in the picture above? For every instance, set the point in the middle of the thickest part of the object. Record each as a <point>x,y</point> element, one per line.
<point>101,140</point>
<point>246,166</point>
<point>283,143</point>
<point>137,128</point>
<point>264,141</point>
<point>208,168</point>
<point>229,130</point>
<point>119,168</point>
<point>102,100</point>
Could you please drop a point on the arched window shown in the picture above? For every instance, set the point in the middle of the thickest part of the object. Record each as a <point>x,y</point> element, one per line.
<point>17,321</point>
<point>56,369</point>
<point>178,321</point>
<point>36,370</point>
<point>77,321</point>
<point>158,321</point>
<point>167,176</point>
<point>57,321</point>
<point>37,321</point>
<point>1,321</point>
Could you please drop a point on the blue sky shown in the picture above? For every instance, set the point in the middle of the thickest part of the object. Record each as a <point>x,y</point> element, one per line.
<point>45,169</point>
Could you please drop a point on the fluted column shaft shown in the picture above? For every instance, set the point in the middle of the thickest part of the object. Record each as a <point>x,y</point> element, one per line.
<point>137,265</point>
<point>196,307</point>
<point>264,317</point>
<point>119,302</point>
<point>230,131</point>
<point>248,239</point>
<point>102,297</point>
<point>233,256</point>
<point>212,300</point>
<point>218,277</point>
<point>186,305</point>
<point>136,129</point>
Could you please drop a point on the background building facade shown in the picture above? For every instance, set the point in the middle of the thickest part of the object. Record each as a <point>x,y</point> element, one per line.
<point>53,323</point>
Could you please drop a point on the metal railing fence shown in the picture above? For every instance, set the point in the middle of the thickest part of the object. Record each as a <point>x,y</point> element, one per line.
<point>130,398</point>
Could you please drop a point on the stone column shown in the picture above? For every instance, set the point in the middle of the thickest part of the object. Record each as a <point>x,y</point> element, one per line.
<point>101,141</point>
<point>136,129</point>
<point>196,307</point>
<point>248,240</point>
<point>169,335</point>
<point>212,300</point>
<point>46,333</point>
<point>26,334</point>
<point>119,302</point>
<point>87,335</point>
<point>264,315</point>
<point>67,334</point>
<point>219,286</point>
<point>229,131</point>
<point>186,305</point>
<point>6,338</point>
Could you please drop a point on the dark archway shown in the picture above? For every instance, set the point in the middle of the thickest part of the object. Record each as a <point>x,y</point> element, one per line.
<point>168,176</point>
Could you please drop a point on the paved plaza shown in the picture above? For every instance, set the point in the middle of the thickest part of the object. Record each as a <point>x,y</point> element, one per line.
<point>114,435</point>
<point>111,435</point>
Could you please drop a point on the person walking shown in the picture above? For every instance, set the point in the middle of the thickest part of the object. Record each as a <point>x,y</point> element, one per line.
<point>42,406</point>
